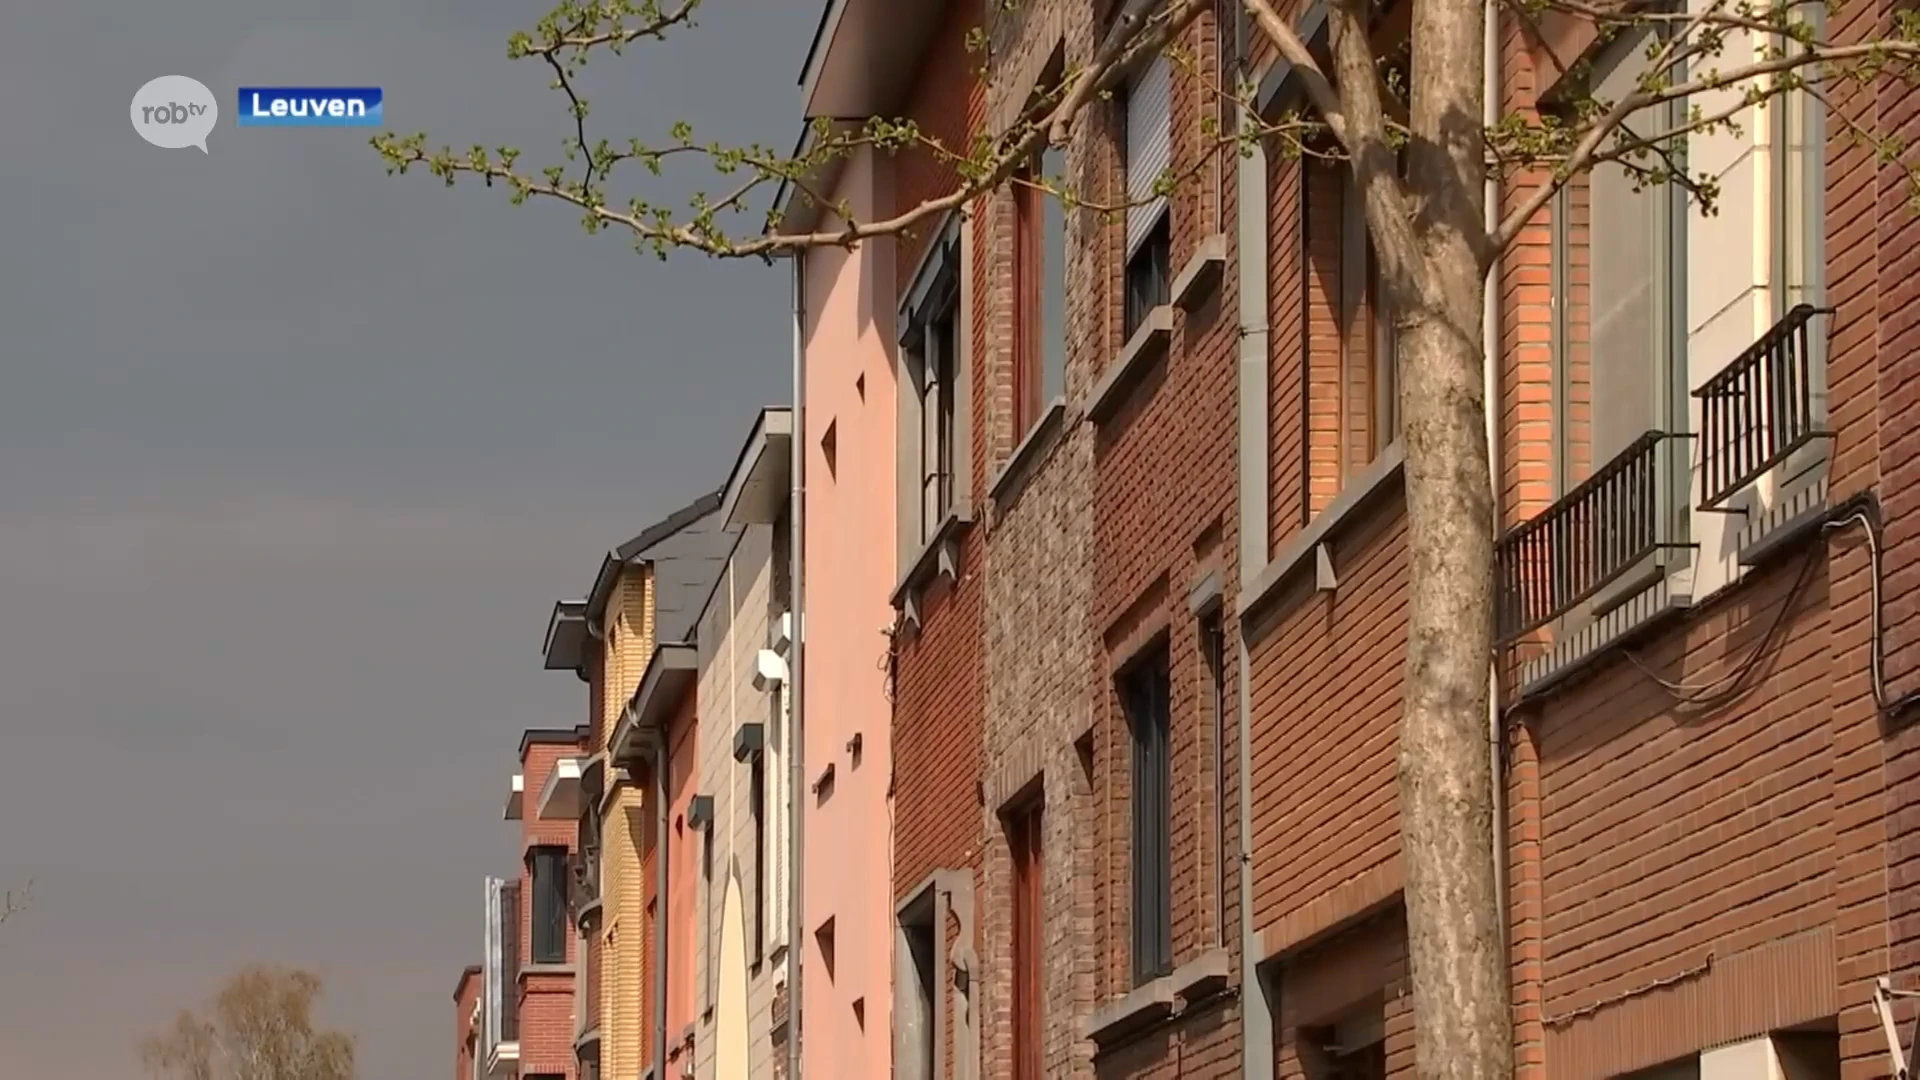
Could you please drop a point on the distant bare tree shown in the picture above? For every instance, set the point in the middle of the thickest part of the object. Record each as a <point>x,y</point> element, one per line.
<point>15,901</point>
<point>261,1027</point>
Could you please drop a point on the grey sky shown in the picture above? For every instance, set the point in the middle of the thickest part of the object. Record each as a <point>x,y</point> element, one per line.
<point>293,457</point>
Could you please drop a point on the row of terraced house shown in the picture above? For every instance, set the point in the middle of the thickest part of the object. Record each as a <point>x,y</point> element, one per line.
<point>1022,702</point>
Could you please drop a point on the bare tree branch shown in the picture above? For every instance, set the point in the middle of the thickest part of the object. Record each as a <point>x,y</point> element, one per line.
<point>16,901</point>
<point>1586,151</point>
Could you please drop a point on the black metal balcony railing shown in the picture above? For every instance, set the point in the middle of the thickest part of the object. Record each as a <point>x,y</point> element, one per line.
<point>1550,564</point>
<point>1760,410</point>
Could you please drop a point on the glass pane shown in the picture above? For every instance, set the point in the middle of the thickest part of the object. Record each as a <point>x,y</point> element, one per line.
<point>1624,267</point>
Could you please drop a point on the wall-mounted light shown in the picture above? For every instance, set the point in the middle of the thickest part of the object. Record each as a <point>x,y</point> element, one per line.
<point>769,670</point>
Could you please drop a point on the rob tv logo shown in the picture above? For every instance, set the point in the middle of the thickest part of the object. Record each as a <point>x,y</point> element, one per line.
<point>299,106</point>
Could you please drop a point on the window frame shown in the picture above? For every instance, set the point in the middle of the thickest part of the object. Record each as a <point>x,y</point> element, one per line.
<point>932,339</point>
<point>921,949</point>
<point>1363,300</point>
<point>1797,211</point>
<point>1146,693</point>
<point>550,879</point>
<point>1666,348</point>
<point>1149,276</point>
<point>1040,261</point>
<point>1146,270</point>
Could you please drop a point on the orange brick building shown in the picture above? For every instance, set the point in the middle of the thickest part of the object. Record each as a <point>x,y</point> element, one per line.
<point>548,970</point>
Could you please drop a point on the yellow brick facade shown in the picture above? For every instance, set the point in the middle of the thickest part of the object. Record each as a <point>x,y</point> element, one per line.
<point>623,973</point>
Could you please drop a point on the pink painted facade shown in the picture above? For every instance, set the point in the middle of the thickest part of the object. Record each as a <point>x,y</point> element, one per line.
<point>849,574</point>
<point>683,877</point>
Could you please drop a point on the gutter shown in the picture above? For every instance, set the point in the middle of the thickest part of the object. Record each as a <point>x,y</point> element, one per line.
<point>796,742</point>
<point>1491,344</point>
<point>1256,1013</point>
<point>660,753</point>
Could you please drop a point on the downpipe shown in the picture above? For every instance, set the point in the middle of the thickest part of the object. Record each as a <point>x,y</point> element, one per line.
<point>1490,344</point>
<point>660,882</point>
<point>1256,1012</point>
<point>796,701</point>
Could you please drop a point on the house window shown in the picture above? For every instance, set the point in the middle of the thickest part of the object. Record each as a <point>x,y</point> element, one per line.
<point>1213,645</point>
<point>1367,1062</point>
<point>1147,695</point>
<point>1148,135</point>
<point>1798,186</point>
<point>1040,291</point>
<point>1029,994</point>
<point>706,919</point>
<point>936,420</point>
<point>917,990</point>
<point>930,339</point>
<point>547,866</point>
<point>757,811</point>
<point>1369,341</point>
<point>1619,291</point>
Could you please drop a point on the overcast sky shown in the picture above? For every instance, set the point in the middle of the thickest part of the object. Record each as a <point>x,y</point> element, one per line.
<point>294,456</point>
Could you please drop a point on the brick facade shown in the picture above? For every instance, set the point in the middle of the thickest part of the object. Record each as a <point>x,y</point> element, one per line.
<point>937,669</point>
<point>546,990</point>
<point>1681,873</point>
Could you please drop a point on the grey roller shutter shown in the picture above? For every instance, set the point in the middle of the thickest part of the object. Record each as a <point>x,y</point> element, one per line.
<point>1149,106</point>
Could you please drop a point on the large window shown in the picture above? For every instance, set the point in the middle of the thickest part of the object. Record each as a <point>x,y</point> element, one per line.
<point>1148,134</point>
<point>917,991</point>
<point>936,421</point>
<point>1040,291</point>
<point>1369,343</point>
<point>547,869</point>
<point>1025,845</point>
<point>1620,273</point>
<point>930,339</point>
<point>1146,691</point>
<point>1798,187</point>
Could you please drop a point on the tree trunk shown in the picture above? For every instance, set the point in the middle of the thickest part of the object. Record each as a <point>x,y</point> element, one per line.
<point>1455,924</point>
<point>1455,918</point>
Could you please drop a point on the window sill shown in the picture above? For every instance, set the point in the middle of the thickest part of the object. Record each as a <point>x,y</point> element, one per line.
<point>1380,479</point>
<point>1202,273</point>
<point>544,971</point>
<point>1013,472</point>
<point>1621,625</point>
<point>939,556</point>
<point>1148,344</point>
<point>1204,977</point>
<point>1786,522</point>
<point>1144,1006</point>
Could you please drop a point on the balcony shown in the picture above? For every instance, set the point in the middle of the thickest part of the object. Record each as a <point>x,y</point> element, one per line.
<point>1620,520</point>
<point>1764,408</point>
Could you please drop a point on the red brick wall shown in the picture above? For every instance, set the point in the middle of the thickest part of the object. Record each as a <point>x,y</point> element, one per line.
<point>937,681</point>
<point>1665,839</point>
<point>948,105</point>
<point>936,736</point>
<point>546,1000</point>
<point>1164,476</point>
<point>683,869</point>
